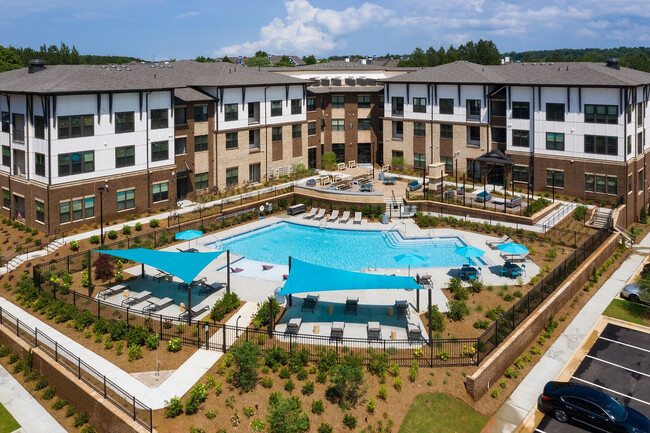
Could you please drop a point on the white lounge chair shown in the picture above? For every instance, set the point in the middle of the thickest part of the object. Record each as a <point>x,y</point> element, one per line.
<point>357,218</point>
<point>320,215</point>
<point>311,213</point>
<point>130,299</point>
<point>337,329</point>
<point>293,326</point>
<point>346,217</point>
<point>334,216</point>
<point>495,244</point>
<point>196,310</point>
<point>158,304</point>
<point>374,330</point>
<point>114,290</point>
<point>514,257</point>
<point>414,331</point>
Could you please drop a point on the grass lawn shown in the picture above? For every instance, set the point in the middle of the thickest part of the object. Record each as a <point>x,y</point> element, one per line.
<point>7,422</point>
<point>441,413</point>
<point>629,311</point>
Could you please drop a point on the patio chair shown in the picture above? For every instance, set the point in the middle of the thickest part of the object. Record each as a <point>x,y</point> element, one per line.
<point>495,244</point>
<point>515,257</point>
<point>357,218</point>
<point>503,272</point>
<point>293,326</point>
<point>320,215</point>
<point>114,290</point>
<point>196,310</point>
<point>309,303</point>
<point>267,267</point>
<point>157,304</point>
<point>413,331</point>
<point>311,213</point>
<point>402,308</point>
<point>346,217</point>
<point>337,329</point>
<point>207,288</point>
<point>161,275</point>
<point>135,298</point>
<point>235,270</point>
<point>425,279</point>
<point>351,305</point>
<point>334,216</point>
<point>374,330</point>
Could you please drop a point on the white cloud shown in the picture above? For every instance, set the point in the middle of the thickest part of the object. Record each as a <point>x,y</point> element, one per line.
<point>186,15</point>
<point>308,29</point>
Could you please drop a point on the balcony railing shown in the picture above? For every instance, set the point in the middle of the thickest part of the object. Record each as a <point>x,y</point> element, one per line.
<point>19,137</point>
<point>19,170</point>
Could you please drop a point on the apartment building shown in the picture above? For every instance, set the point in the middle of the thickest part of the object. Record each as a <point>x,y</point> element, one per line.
<point>129,139</point>
<point>576,128</point>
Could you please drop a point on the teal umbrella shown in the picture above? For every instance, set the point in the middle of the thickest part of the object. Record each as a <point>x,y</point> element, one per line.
<point>409,259</point>
<point>188,235</point>
<point>469,251</point>
<point>513,248</point>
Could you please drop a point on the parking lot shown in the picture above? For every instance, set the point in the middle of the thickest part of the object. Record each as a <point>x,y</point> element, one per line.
<point>619,364</point>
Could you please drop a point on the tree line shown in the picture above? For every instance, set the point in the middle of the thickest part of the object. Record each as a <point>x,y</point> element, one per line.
<point>630,57</point>
<point>482,52</point>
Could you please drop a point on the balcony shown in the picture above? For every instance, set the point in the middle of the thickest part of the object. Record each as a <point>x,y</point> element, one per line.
<point>254,120</point>
<point>19,136</point>
<point>19,170</point>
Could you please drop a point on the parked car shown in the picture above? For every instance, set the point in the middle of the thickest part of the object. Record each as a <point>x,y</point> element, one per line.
<point>636,293</point>
<point>586,406</point>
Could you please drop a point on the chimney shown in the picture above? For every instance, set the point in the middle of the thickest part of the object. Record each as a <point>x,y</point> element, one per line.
<point>36,65</point>
<point>347,60</point>
<point>613,63</point>
<point>363,61</point>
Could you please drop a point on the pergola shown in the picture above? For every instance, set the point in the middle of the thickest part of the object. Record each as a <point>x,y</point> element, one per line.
<point>498,158</point>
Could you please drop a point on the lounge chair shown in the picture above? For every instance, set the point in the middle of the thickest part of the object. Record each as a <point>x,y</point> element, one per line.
<point>293,326</point>
<point>161,275</point>
<point>311,213</point>
<point>357,218</point>
<point>320,215</point>
<point>495,244</point>
<point>425,279</point>
<point>413,331</point>
<point>337,329</point>
<point>114,290</point>
<point>351,305</point>
<point>158,304</point>
<point>346,217</point>
<point>334,216</point>
<point>196,310</point>
<point>135,298</point>
<point>402,308</point>
<point>235,270</point>
<point>267,267</point>
<point>374,330</point>
<point>515,257</point>
<point>309,303</point>
<point>207,288</point>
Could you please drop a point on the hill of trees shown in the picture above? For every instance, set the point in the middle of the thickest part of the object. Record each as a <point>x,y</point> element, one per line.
<point>631,57</point>
<point>14,58</point>
<point>482,52</point>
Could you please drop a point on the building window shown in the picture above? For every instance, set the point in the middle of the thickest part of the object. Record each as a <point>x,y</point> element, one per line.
<point>64,212</point>
<point>232,176</point>
<point>201,113</point>
<point>629,183</point>
<point>276,133</point>
<point>200,143</point>
<point>612,182</point>
<point>473,109</point>
<point>254,139</point>
<point>446,131</point>
<point>40,211</point>
<point>19,128</point>
<point>76,126</point>
<point>200,181</point>
<point>639,186</point>
<point>520,173</point>
<point>449,163</point>
<point>296,106</point>
<point>126,199</point>
<point>6,198</point>
<point>601,182</point>
<point>39,127</point>
<point>6,122</point>
<point>520,138</point>
<point>89,207</point>
<point>180,115</point>
<point>397,105</point>
<point>338,124</point>
<point>276,108</point>
<point>446,106</point>
<point>160,191</point>
<point>554,141</point>
<point>639,114</point>
<point>6,156</point>
<point>628,114</point>
<point>398,130</point>
<point>363,101</point>
<point>124,122</point>
<point>419,160</point>
<point>232,140</point>
<point>474,136</point>
<point>419,129</point>
<point>639,143</point>
<point>76,163</point>
<point>77,209</point>
<point>601,145</point>
<point>629,144</point>
<point>381,102</point>
<point>559,178</point>
<point>555,112</point>
<point>589,182</point>
<point>311,104</point>
<point>232,112</point>
<point>520,110</point>
<point>601,114</point>
<point>419,105</point>
<point>39,164</point>
<point>159,119</point>
<point>159,151</point>
<point>364,125</point>
<point>311,128</point>
<point>180,146</point>
<point>338,101</point>
<point>254,173</point>
<point>339,151</point>
<point>322,124</point>
<point>124,156</point>
<point>296,131</point>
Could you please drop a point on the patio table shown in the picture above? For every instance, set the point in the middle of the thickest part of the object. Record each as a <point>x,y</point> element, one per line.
<point>467,271</point>
<point>512,269</point>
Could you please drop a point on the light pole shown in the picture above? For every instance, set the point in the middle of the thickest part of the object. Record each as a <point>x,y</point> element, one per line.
<point>101,212</point>
<point>456,155</point>
<point>373,160</point>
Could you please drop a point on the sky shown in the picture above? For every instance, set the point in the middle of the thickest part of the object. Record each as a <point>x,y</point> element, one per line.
<point>166,29</point>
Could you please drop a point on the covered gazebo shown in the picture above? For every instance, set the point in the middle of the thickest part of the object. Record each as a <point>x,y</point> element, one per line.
<point>492,159</point>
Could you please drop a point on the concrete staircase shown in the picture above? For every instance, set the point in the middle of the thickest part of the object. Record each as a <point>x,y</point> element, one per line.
<point>601,218</point>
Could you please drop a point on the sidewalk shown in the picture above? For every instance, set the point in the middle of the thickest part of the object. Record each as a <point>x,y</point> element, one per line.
<point>29,413</point>
<point>524,399</point>
<point>180,381</point>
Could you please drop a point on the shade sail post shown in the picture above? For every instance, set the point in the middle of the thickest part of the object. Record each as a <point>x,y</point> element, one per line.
<point>228,271</point>
<point>142,270</point>
<point>417,293</point>
<point>189,304</point>
<point>290,297</point>
<point>429,311</point>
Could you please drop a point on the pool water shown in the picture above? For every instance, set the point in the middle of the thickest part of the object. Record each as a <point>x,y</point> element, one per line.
<point>343,249</point>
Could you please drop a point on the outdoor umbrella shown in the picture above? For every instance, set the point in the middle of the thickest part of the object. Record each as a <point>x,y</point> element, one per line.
<point>512,248</point>
<point>188,235</point>
<point>469,252</point>
<point>409,259</point>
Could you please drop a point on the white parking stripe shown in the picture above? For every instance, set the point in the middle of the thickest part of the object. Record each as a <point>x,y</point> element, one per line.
<point>616,365</point>
<point>540,431</point>
<point>611,390</point>
<point>624,344</point>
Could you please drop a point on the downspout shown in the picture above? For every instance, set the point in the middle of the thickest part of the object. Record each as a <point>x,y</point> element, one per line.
<point>431,105</point>
<point>532,155</point>
<point>266,137</point>
<point>627,161</point>
<point>216,144</point>
<point>49,159</point>
<point>146,98</point>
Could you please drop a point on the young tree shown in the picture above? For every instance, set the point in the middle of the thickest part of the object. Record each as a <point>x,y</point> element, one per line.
<point>247,358</point>
<point>286,416</point>
<point>226,59</point>
<point>328,161</point>
<point>310,60</point>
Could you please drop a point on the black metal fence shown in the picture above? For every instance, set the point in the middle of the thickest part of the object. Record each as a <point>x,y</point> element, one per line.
<point>124,401</point>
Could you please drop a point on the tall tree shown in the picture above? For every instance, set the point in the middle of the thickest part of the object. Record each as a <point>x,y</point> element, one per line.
<point>310,60</point>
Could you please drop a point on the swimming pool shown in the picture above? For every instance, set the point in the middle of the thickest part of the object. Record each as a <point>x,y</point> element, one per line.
<point>343,249</point>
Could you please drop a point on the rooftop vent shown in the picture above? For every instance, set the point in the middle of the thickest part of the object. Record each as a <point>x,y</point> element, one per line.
<point>613,63</point>
<point>36,65</point>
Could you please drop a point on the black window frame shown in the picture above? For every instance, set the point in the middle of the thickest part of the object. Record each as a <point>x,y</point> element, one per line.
<point>160,195</point>
<point>159,118</point>
<point>124,122</point>
<point>85,129</point>
<point>5,118</point>
<point>125,203</point>
<point>521,138</point>
<point>397,105</point>
<point>232,140</point>
<point>296,106</point>
<point>590,182</point>
<point>201,181</point>
<point>363,124</point>
<point>339,125</point>
<point>74,167</point>
<point>6,198</point>
<point>39,127</point>
<point>157,154</point>
<point>276,133</point>
<point>311,104</point>
<point>180,119</point>
<point>296,131</point>
<point>65,216</point>
<point>518,172</point>
<point>555,112</point>
<point>338,101</point>
<point>363,103</point>
<point>177,141</point>
<point>419,129</point>
<point>449,163</point>
<point>471,142</point>
<point>40,213</point>
<point>201,113</point>
<point>609,145</point>
<point>200,143</point>
<point>232,176</point>
<point>122,157</point>
<point>230,112</point>
<point>419,105</point>
<point>552,142</point>
<point>473,109</point>
<point>521,110</point>
<point>39,166</point>
<point>592,114</point>
<point>276,108</point>
<point>420,161</point>
<point>446,131</point>
<point>6,156</point>
<point>446,105</point>
<point>311,128</point>
<point>559,181</point>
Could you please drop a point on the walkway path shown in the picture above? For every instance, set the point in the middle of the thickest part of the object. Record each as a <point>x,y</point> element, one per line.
<point>177,384</point>
<point>524,398</point>
<point>29,413</point>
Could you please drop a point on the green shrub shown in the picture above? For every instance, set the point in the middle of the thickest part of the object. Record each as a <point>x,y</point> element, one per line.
<point>536,206</point>
<point>321,377</point>
<point>153,223</point>
<point>134,352</point>
<point>211,414</point>
<point>327,359</point>
<point>580,212</point>
<point>383,392</point>
<point>266,382</point>
<point>298,359</point>
<point>519,363</point>
<point>71,410</point>
<point>42,383</point>
<point>493,314</point>
<point>481,324</point>
<point>511,373</point>
<point>394,369</point>
<point>503,384</point>
<point>275,357</point>
<point>152,342</point>
<point>126,230</point>
<point>535,350</point>
<point>112,235</point>
<point>246,358</point>
<point>80,419</point>
<point>350,421</point>
<point>495,393</point>
<point>286,415</point>
<point>198,394</point>
<point>88,428</point>
<point>413,371</point>
<point>347,381</point>
<point>372,405</point>
<point>138,226</point>
<point>49,393</point>
<point>74,245</point>
<point>174,344</point>
<point>94,239</point>
<point>119,347</point>
<point>325,428</point>
<point>223,306</point>
<point>261,317</point>
<point>308,388</point>
<point>289,385</point>
<point>378,363</point>
<point>302,374</point>
<point>437,319</point>
<point>59,404</point>
<point>317,407</point>
<point>457,310</point>
<point>285,373</point>
<point>83,320</point>
<point>397,384</point>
